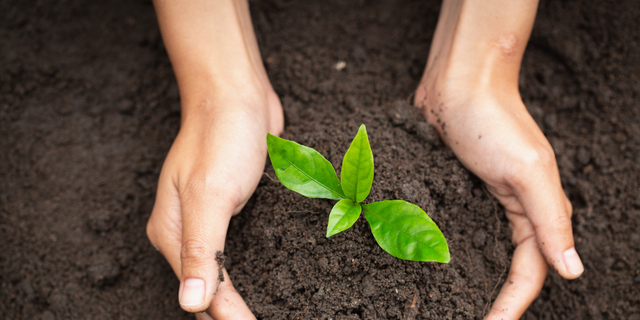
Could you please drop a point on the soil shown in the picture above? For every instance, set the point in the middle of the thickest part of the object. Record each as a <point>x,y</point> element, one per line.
<point>89,108</point>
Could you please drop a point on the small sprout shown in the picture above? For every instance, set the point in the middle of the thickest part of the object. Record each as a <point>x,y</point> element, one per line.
<point>402,229</point>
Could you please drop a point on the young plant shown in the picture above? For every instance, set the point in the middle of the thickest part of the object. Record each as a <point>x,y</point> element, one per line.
<point>400,228</point>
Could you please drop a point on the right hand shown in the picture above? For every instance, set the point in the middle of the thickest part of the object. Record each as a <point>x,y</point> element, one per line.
<point>209,175</point>
<point>470,93</point>
<point>494,136</point>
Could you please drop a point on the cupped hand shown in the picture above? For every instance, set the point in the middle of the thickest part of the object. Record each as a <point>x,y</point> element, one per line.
<point>493,135</point>
<point>209,174</point>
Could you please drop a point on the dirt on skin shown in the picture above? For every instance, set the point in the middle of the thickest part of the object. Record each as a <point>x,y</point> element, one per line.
<point>89,108</point>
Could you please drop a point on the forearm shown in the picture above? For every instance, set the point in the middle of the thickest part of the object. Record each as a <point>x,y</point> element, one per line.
<point>213,50</point>
<point>482,42</point>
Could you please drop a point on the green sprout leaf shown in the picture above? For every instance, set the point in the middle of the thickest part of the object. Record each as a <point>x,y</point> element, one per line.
<point>357,168</point>
<point>406,231</point>
<point>303,169</point>
<point>400,228</point>
<point>343,215</point>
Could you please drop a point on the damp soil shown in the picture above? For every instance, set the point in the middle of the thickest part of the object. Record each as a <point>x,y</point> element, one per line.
<point>89,108</point>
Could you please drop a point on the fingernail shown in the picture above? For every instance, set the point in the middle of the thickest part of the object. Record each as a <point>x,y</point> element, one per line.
<point>572,262</point>
<point>192,293</point>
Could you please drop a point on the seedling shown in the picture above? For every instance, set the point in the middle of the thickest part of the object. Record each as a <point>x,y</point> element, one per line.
<point>402,229</point>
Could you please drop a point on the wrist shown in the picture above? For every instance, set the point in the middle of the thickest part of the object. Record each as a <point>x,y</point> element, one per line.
<point>476,50</point>
<point>216,61</point>
<point>242,102</point>
<point>220,101</point>
<point>483,64</point>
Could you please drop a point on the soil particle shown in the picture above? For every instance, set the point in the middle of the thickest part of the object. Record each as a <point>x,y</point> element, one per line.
<point>323,263</point>
<point>399,112</point>
<point>103,269</point>
<point>427,133</point>
<point>359,53</point>
<point>411,191</point>
<point>320,293</point>
<point>352,103</point>
<point>368,288</point>
<point>220,259</point>
<point>48,315</point>
<point>479,238</point>
<point>125,257</point>
<point>101,220</point>
<point>584,156</point>
<point>58,301</point>
<point>411,310</point>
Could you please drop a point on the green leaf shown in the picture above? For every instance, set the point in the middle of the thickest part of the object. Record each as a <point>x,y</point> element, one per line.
<point>343,215</point>
<point>357,168</point>
<point>303,169</point>
<point>406,231</point>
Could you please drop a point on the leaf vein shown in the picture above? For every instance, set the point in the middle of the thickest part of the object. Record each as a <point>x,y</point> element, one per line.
<point>400,231</point>
<point>312,178</point>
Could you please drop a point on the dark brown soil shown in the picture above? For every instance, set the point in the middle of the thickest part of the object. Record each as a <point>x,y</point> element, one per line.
<point>89,108</point>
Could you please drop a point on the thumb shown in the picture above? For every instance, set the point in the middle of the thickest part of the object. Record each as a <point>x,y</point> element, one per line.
<point>205,219</point>
<point>549,211</point>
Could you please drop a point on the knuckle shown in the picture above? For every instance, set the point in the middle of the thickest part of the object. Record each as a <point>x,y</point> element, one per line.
<point>195,183</point>
<point>547,156</point>
<point>521,238</point>
<point>540,156</point>
<point>194,253</point>
<point>522,231</point>
<point>562,222</point>
<point>569,207</point>
<point>531,162</point>
<point>152,233</point>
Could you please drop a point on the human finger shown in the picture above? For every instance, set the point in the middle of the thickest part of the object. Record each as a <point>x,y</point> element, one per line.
<point>164,228</point>
<point>526,276</point>
<point>206,212</point>
<point>537,186</point>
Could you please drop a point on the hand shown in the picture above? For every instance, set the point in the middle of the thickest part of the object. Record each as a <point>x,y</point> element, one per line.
<point>210,173</point>
<point>469,92</point>
<point>216,162</point>
<point>493,135</point>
